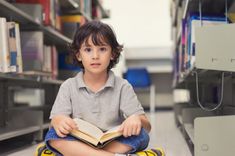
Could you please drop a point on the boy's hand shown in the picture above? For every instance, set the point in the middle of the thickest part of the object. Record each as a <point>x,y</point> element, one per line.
<point>63,125</point>
<point>131,126</point>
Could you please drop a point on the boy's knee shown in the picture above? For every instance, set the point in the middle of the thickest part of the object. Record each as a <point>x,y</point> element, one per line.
<point>56,144</point>
<point>116,147</point>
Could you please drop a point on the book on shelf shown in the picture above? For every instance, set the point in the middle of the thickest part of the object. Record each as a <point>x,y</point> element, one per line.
<point>69,24</point>
<point>195,21</point>
<point>18,47</point>
<point>12,46</point>
<point>32,50</point>
<point>54,62</point>
<point>92,135</point>
<point>10,53</point>
<point>33,10</point>
<point>4,47</point>
<point>188,40</point>
<point>46,6</point>
<point>47,60</point>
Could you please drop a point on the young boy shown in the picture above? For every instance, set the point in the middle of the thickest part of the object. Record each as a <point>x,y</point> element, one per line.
<point>99,97</point>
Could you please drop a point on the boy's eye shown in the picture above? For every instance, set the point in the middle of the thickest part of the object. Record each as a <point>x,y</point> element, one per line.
<point>87,49</point>
<point>103,49</point>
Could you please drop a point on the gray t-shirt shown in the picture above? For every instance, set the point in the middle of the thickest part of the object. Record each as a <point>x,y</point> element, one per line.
<point>106,108</point>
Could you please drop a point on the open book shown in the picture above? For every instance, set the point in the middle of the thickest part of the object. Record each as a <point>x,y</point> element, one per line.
<point>92,135</point>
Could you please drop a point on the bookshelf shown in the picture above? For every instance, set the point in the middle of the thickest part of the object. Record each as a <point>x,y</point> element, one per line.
<point>17,119</point>
<point>14,14</point>
<point>210,79</point>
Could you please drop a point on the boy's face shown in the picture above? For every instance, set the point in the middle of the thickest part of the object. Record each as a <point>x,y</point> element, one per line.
<point>95,58</point>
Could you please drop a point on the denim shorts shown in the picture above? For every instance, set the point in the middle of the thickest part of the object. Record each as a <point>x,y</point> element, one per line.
<point>137,143</point>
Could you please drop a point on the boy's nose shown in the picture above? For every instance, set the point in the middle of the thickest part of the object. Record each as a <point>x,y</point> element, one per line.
<point>95,54</point>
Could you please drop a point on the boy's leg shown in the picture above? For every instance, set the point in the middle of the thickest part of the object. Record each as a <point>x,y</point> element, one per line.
<point>76,148</point>
<point>117,147</point>
<point>71,146</point>
<point>130,144</point>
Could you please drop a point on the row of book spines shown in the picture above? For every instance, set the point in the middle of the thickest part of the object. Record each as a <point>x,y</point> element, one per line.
<point>13,56</point>
<point>185,59</point>
<point>50,10</point>
<point>52,13</point>
<point>10,49</point>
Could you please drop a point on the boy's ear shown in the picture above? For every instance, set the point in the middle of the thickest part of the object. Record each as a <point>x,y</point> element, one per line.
<point>78,57</point>
<point>113,56</point>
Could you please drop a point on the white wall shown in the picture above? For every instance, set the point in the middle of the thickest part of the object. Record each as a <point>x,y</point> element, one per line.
<point>140,23</point>
<point>144,27</point>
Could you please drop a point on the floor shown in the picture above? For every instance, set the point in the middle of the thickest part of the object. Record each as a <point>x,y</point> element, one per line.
<point>164,134</point>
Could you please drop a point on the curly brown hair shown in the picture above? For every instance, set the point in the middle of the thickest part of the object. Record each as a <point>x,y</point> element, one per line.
<point>99,33</point>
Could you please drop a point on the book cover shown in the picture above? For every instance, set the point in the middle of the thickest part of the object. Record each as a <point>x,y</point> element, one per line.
<point>92,135</point>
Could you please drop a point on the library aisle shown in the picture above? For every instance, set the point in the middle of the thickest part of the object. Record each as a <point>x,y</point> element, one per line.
<point>164,134</point>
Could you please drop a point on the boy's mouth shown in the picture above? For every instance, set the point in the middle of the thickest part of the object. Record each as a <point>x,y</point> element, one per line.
<point>95,64</point>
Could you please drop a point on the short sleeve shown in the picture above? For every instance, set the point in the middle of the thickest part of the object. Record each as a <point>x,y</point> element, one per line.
<point>62,104</point>
<point>129,103</point>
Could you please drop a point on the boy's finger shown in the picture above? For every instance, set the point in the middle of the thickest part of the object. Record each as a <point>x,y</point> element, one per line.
<point>71,123</point>
<point>67,127</point>
<point>138,130</point>
<point>63,131</point>
<point>129,131</point>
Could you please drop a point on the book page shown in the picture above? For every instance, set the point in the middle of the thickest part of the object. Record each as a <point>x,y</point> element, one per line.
<point>110,134</point>
<point>114,129</point>
<point>88,128</point>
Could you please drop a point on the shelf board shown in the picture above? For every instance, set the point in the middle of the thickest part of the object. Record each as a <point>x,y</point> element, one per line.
<point>28,23</point>
<point>190,131</point>
<point>27,79</point>
<point>10,132</point>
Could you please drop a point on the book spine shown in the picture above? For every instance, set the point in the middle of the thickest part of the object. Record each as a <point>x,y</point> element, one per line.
<point>18,47</point>
<point>4,49</point>
<point>12,46</point>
